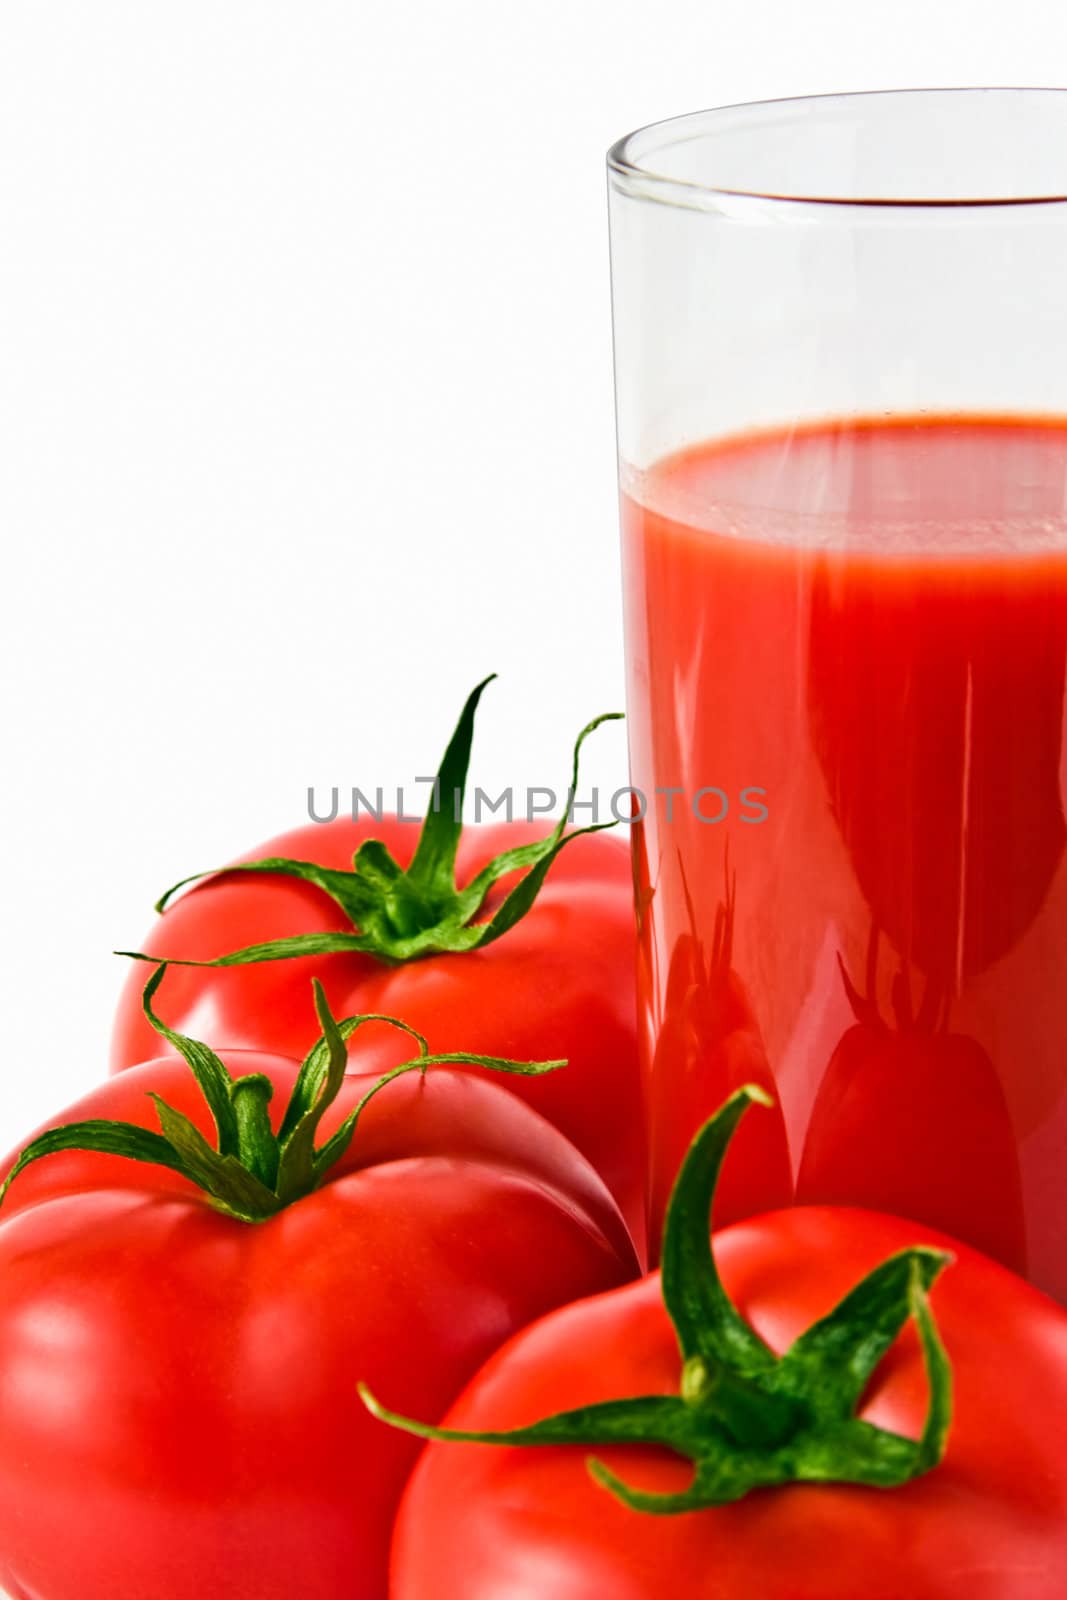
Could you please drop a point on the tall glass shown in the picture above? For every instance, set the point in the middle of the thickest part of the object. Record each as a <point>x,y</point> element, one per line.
<point>841,370</point>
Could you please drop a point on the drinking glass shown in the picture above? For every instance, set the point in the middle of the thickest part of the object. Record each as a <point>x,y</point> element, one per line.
<point>841,377</point>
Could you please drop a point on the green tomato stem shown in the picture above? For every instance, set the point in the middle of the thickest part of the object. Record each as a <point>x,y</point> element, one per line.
<point>251,1173</point>
<point>400,915</point>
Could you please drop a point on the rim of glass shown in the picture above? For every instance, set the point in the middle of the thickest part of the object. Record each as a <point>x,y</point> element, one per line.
<point>644,182</point>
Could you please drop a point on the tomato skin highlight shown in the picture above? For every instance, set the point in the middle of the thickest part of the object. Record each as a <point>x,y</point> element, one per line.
<point>559,983</point>
<point>483,1522</point>
<point>178,1389</point>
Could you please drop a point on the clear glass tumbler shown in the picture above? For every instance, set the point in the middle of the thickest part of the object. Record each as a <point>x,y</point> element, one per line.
<point>841,370</point>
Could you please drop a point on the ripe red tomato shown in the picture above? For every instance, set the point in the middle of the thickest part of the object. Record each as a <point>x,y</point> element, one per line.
<point>559,983</point>
<point>911,1118</point>
<point>178,1408</point>
<point>987,1523</point>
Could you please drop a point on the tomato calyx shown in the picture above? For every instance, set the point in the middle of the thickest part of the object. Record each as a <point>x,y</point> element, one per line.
<point>252,1172</point>
<point>400,914</point>
<point>929,1017</point>
<point>746,1418</point>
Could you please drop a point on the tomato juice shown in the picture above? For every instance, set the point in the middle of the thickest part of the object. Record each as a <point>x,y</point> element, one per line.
<point>867,621</point>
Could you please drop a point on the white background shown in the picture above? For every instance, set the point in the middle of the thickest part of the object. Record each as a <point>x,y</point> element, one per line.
<point>306,415</point>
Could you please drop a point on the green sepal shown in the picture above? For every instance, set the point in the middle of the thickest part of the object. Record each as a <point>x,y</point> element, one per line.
<point>399,914</point>
<point>258,1172</point>
<point>214,1080</point>
<point>434,861</point>
<point>222,1177</point>
<point>317,1087</point>
<point>104,1138</point>
<point>746,1418</point>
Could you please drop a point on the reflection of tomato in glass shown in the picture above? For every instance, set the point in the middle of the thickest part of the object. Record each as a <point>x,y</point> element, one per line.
<point>709,1045</point>
<point>936,700</point>
<point>911,1118</point>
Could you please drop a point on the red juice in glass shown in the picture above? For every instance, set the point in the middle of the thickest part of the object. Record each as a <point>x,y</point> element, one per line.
<point>849,638</point>
<point>841,403</point>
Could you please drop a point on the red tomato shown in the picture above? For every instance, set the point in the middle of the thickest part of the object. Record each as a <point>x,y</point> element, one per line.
<point>813,1444</point>
<point>178,1408</point>
<point>911,1118</point>
<point>989,1524</point>
<point>560,982</point>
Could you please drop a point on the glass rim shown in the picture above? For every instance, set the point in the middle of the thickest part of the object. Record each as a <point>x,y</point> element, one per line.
<point>642,181</point>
